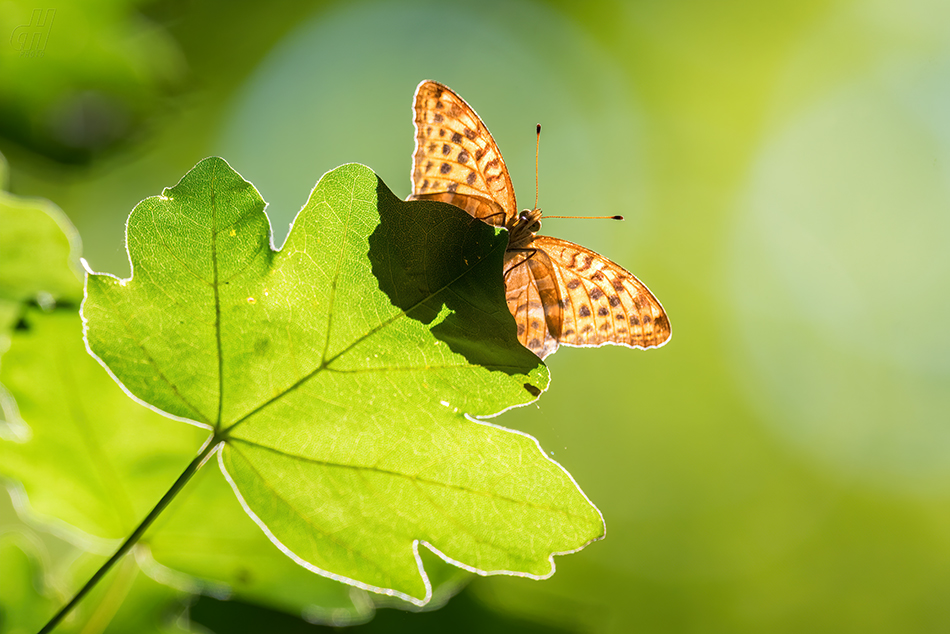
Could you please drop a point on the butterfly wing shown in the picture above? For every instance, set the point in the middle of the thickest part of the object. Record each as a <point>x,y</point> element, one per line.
<point>533,300</point>
<point>456,160</point>
<point>600,301</point>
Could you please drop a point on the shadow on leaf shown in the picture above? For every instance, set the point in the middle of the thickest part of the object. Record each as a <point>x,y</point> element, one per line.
<point>444,268</point>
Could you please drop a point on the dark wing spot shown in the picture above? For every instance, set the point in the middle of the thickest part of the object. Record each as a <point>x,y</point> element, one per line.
<point>429,130</point>
<point>618,284</point>
<point>470,178</point>
<point>620,316</point>
<point>438,105</point>
<point>614,301</point>
<point>445,149</point>
<point>535,344</point>
<point>431,148</point>
<point>492,163</point>
<point>455,111</point>
<point>532,390</point>
<point>452,187</point>
<point>425,185</point>
<point>604,326</point>
<point>587,262</point>
<point>584,311</point>
<point>602,311</point>
<point>445,168</point>
<point>479,153</point>
<point>441,133</point>
<point>437,118</point>
<point>535,324</point>
<point>634,320</point>
<point>428,166</point>
<point>568,332</point>
<point>573,283</point>
<point>596,294</point>
<point>463,157</point>
<point>587,329</point>
<point>647,319</point>
<point>520,329</point>
<point>598,276</point>
<point>469,133</point>
<point>456,137</point>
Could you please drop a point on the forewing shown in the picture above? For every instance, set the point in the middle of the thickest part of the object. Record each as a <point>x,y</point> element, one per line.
<point>600,301</point>
<point>533,300</point>
<point>456,160</point>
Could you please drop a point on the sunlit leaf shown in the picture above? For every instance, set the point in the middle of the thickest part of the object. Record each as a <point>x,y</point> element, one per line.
<point>338,372</point>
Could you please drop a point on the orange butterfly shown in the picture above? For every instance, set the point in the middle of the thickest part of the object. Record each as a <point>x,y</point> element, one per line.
<point>557,291</point>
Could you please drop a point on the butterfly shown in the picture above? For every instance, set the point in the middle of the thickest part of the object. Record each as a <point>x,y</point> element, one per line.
<point>558,292</point>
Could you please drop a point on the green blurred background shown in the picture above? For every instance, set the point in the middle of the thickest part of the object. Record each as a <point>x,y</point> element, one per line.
<point>784,170</point>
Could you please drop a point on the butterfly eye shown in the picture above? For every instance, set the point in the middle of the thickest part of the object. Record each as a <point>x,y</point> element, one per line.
<point>523,215</point>
<point>536,227</point>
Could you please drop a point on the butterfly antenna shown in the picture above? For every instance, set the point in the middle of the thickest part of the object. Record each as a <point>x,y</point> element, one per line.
<point>537,151</point>
<point>588,217</point>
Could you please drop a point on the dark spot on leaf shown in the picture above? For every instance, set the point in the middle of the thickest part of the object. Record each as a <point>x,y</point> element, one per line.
<point>261,346</point>
<point>532,390</point>
<point>456,137</point>
<point>445,168</point>
<point>463,157</point>
<point>584,311</point>
<point>22,325</point>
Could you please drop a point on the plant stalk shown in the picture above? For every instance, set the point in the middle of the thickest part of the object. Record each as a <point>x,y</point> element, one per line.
<point>180,483</point>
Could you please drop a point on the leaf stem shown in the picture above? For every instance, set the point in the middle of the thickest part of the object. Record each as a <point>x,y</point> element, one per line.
<point>180,483</point>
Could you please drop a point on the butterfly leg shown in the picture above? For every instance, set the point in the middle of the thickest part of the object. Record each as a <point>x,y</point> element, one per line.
<point>531,253</point>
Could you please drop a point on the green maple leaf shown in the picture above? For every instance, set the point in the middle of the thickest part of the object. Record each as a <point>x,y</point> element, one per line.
<point>338,374</point>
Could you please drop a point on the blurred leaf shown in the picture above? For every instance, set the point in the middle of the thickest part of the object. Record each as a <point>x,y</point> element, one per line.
<point>126,601</point>
<point>338,372</point>
<point>38,256</point>
<point>81,77</point>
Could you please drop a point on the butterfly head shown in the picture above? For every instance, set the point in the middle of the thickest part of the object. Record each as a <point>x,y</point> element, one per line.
<point>524,226</point>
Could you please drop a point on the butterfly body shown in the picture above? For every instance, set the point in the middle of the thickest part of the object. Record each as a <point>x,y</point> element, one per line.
<point>558,292</point>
